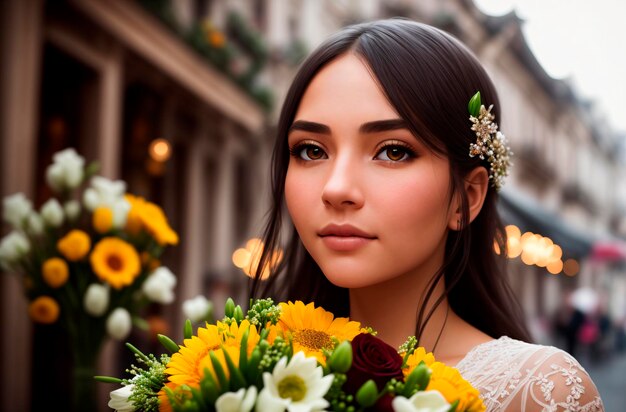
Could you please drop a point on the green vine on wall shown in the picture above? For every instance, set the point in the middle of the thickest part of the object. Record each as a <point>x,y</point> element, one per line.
<point>240,53</point>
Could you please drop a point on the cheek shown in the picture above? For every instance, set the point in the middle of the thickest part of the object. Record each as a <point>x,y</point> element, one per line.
<point>300,194</point>
<point>411,203</point>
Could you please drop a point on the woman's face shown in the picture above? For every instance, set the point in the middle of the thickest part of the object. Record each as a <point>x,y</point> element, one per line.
<point>368,200</point>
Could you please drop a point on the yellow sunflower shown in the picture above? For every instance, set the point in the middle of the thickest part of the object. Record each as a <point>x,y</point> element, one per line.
<point>416,357</point>
<point>115,262</point>
<point>186,367</point>
<point>55,272</point>
<point>44,309</point>
<point>312,328</point>
<point>449,382</point>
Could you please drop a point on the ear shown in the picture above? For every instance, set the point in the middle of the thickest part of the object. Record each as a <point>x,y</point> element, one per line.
<point>475,184</point>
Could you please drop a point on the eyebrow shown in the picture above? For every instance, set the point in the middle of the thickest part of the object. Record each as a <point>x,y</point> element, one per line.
<point>369,127</point>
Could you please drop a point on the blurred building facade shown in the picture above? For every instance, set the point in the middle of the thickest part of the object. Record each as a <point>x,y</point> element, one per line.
<point>110,77</point>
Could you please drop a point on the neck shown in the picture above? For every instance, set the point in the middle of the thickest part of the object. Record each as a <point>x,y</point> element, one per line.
<point>391,309</point>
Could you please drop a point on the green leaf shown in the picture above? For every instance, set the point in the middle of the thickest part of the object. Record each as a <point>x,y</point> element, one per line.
<point>137,352</point>
<point>474,105</point>
<point>168,344</point>
<point>243,351</point>
<point>209,387</point>
<point>107,379</point>
<point>237,380</point>
<point>219,371</point>
<point>454,405</point>
<point>252,370</point>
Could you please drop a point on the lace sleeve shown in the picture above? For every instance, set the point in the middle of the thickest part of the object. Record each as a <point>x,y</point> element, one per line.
<point>512,375</point>
<point>559,383</point>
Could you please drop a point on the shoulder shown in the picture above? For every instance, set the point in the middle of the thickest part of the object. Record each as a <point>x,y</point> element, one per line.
<point>513,373</point>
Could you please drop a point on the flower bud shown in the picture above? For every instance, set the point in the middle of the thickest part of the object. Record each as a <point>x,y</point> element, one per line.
<point>418,378</point>
<point>119,324</point>
<point>367,395</point>
<point>119,399</point>
<point>52,213</point>
<point>96,300</point>
<point>16,209</point>
<point>159,286</point>
<point>13,247</point>
<point>238,315</point>
<point>72,209</point>
<point>197,309</point>
<point>229,308</point>
<point>341,358</point>
<point>67,171</point>
<point>35,224</point>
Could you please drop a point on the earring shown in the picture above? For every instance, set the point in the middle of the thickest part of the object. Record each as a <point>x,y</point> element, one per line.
<point>458,224</point>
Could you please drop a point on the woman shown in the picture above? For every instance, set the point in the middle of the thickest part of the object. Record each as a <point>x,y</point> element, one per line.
<point>394,220</point>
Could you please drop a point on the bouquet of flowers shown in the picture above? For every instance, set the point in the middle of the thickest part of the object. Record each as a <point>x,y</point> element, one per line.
<point>89,258</point>
<point>289,356</point>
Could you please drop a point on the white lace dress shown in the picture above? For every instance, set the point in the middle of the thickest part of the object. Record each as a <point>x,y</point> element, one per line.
<point>512,375</point>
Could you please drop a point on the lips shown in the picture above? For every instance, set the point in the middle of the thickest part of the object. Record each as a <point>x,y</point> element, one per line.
<point>344,231</point>
<point>345,238</point>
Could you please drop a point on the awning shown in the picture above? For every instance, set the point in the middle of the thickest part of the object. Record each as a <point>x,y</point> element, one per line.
<point>530,216</point>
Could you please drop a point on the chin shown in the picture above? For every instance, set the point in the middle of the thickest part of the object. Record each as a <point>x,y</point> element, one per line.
<point>353,278</point>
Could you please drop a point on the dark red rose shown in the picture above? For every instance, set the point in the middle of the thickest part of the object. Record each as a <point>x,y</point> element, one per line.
<point>372,359</point>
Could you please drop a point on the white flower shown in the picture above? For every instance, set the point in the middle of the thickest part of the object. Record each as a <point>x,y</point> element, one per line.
<point>119,399</point>
<point>96,300</point>
<point>13,247</point>
<point>108,193</point>
<point>52,213</point>
<point>119,324</point>
<point>120,209</point>
<point>240,401</point>
<point>16,208</point>
<point>297,387</point>
<point>34,224</point>
<point>66,171</point>
<point>103,192</point>
<point>159,285</point>
<point>197,309</point>
<point>72,209</point>
<point>422,401</point>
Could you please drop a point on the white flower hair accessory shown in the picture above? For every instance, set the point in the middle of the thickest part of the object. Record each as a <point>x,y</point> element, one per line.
<point>490,143</point>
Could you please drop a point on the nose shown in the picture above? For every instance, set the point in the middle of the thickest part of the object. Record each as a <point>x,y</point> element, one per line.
<point>343,185</point>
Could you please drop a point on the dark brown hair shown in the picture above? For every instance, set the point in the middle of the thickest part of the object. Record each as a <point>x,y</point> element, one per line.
<point>428,76</point>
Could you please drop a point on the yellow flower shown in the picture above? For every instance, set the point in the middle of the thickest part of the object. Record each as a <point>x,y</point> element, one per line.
<point>415,358</point>
<point>102,219</point>
<point>133,219</point>
<point>55,272</point>
<point>75,245</point>
<point>216,39</point>
<point>115,262</point>
<point>312,328</point>
<point>449,382</point>
<point>44,309</point>
<point>147,215</point>
<point>186,367</point>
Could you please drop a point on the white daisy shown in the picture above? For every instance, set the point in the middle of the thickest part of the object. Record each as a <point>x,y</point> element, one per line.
<point>240,401</point>
<point>422,401</point>
<point>298,386</point>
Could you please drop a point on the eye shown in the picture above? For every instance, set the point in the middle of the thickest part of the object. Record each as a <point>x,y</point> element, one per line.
<point>307,151</point>
<point>395,152</point>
